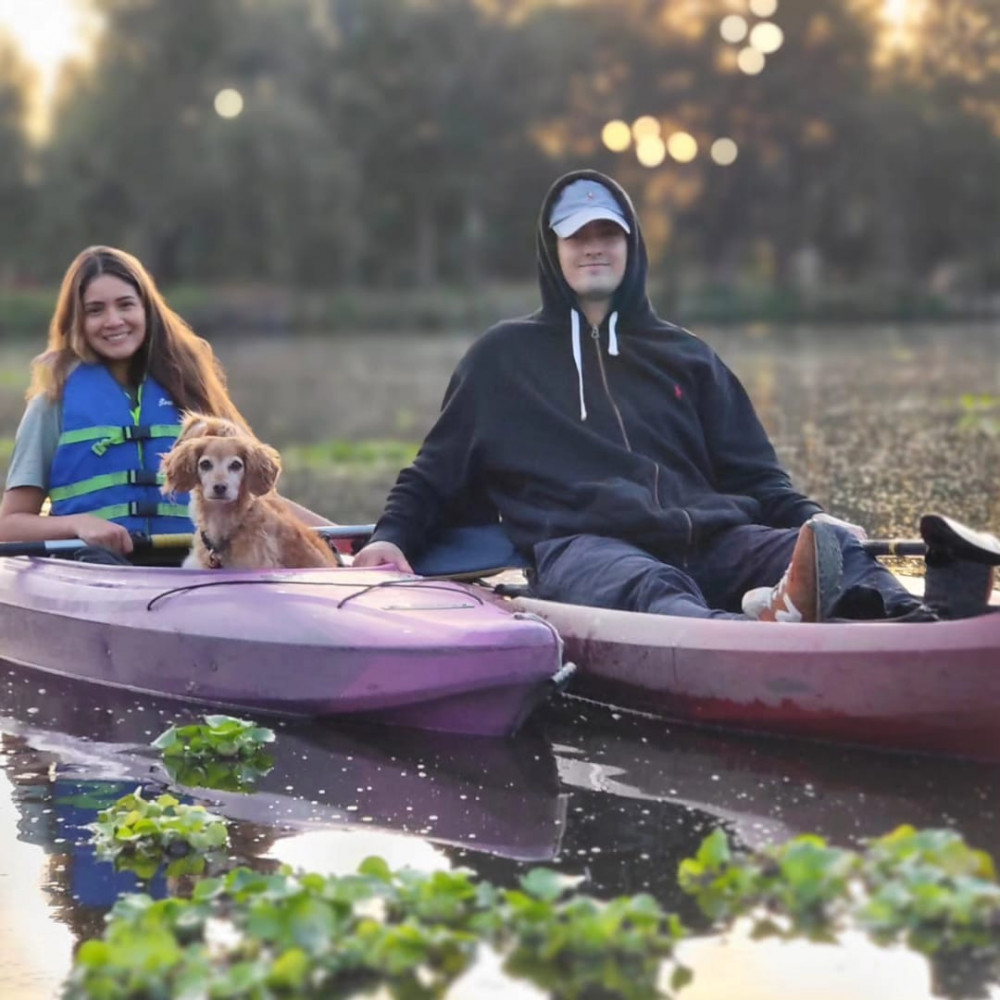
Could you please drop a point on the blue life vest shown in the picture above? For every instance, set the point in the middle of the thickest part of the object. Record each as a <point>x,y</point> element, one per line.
<point>108,459</point>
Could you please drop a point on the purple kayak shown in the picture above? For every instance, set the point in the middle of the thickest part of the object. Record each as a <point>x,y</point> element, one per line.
<point>434,655</point>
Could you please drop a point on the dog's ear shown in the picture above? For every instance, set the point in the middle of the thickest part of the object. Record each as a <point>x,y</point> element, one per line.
<point>263,466</point>
<point>180,466</point>
<point>204,425</point>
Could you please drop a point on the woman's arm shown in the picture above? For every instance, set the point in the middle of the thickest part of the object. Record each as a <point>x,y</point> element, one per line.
<point>21,520</point>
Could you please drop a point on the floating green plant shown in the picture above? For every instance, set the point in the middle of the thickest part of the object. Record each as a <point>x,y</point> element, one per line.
<point>307,935</point>
<point>139,834</point>
<point>927,888</point>
<point>220,736</point>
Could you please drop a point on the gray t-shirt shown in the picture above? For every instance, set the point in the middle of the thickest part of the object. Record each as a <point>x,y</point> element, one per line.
<point>35,444</point>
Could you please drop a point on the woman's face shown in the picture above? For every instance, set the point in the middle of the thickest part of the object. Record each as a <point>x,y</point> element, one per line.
<point>114,322</point>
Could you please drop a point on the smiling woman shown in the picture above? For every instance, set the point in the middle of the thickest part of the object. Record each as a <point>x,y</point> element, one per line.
<point>49,34</point>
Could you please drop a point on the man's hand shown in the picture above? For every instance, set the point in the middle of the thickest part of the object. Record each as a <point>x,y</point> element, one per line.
<point>105,534</point>
<point>381,554</point>
<point>854,529</point>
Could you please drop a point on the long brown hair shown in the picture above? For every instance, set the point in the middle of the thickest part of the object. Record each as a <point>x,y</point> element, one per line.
<point>172,353</point>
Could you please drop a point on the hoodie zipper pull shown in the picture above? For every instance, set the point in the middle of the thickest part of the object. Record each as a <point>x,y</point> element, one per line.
<point>595,332</point>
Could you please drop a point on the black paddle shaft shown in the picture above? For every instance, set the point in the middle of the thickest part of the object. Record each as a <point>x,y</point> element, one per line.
<point>895,547</point>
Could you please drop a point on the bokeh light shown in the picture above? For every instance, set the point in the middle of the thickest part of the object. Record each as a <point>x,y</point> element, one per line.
<point>616,135</point>
<point>682,146</point>
<point>763,8</point>
<point>650,151</point>
<point>750,61</point>
<point>724,151</point>
<point>228,103</point>
<point>733,28</point>
<point>647,125</point>
<point>766,37</point>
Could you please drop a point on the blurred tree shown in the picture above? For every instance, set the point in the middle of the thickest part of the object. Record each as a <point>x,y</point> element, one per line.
<point>440,100</point>
<point>16,83</point>
<point>402,142</point>
<point>141,158</point>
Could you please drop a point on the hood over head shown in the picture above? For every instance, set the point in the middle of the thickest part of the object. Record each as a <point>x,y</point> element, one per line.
<point>630,302</point>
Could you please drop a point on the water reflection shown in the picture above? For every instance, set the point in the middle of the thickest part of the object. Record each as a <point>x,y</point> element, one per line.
<point>771,789</point>
<point>613,798</point>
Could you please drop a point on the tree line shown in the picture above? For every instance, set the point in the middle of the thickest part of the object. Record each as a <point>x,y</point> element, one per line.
<point>408,143</point>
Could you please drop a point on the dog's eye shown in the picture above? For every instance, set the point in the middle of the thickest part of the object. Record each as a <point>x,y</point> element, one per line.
<point>235,465</point>
<point>205,465</point>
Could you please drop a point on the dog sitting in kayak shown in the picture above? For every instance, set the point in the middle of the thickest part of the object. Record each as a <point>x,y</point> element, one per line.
<point>240,522</point>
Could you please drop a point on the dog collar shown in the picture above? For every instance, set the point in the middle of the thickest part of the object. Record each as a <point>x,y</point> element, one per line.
<point>214,551</point>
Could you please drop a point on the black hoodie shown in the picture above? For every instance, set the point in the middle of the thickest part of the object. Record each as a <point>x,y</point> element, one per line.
<point>669,451</point>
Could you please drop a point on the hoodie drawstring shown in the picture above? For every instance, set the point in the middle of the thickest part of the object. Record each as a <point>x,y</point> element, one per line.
<point>578,358</point>
<point>578,351</point>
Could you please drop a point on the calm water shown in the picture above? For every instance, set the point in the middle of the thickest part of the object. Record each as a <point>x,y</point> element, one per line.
<point>616,798</point>
<point>877,427</point>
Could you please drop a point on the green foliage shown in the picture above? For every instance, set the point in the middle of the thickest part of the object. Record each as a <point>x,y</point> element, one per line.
<point>341,453</point>
<point>580,947</point>
<point>220,736</point>
<point>312,936</point>
<point>224,753</point>
<point>362,157</point>
<point>980,412</point>
<point>931,889</point>
<point>138,834</point>
<point>262,935</point>
<point>925,887</point>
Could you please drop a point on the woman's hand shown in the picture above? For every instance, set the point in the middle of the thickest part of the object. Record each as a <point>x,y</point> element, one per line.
<point>381,554</point>
<point>106,534</point>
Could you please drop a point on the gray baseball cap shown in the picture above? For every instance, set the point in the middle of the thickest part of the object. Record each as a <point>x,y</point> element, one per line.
<point>581,202</point>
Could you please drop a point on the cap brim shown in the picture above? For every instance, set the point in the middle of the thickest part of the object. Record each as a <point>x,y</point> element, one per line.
<point>576,221</point>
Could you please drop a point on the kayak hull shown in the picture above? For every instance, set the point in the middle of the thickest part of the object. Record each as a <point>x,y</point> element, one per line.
<point>927,687</point>
<point>432,655</point>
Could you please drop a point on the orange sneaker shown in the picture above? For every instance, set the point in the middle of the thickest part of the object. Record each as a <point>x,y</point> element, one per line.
<point>810,585</point>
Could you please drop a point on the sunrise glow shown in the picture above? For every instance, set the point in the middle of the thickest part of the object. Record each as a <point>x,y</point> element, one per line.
<point>48,33</point>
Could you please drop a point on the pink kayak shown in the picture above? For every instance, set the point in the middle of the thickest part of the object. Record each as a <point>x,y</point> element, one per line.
<point>433,655</point>
<point>919,687</point>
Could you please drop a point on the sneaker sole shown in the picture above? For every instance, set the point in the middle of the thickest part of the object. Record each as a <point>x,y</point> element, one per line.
<point>829,568</point>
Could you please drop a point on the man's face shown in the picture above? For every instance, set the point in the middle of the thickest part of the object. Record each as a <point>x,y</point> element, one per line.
<point>593,260</point>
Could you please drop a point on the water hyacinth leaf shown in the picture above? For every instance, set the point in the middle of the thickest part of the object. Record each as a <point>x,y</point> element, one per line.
<point>545,884</point>
<point>138,834</point>
<point>714,851</point>
<point>682,976</point>
<point>376,867</point>
<point>221,736</point>
<point>166,740</point>
<point>309,925</point>
<point>289,970</point>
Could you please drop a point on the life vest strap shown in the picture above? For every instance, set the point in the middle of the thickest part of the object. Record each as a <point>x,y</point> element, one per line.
<point>104,437</point>
<point>142,508</point>
<point>132,477</point>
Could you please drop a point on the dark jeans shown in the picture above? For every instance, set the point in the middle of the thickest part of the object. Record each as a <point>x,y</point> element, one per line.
<point>609,573</point>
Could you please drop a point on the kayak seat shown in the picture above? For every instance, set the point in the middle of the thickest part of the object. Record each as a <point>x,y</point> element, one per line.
<point>469,551</point>
<point>948,539</point>
<point>960,567</point>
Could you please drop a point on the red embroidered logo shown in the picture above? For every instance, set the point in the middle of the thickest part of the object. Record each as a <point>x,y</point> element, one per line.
<point>677,391</point>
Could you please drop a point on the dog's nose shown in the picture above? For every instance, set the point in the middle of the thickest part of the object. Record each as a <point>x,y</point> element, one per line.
<point>219,489</point>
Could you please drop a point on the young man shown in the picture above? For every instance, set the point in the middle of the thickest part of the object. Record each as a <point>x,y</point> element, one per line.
<point>623,458</point>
